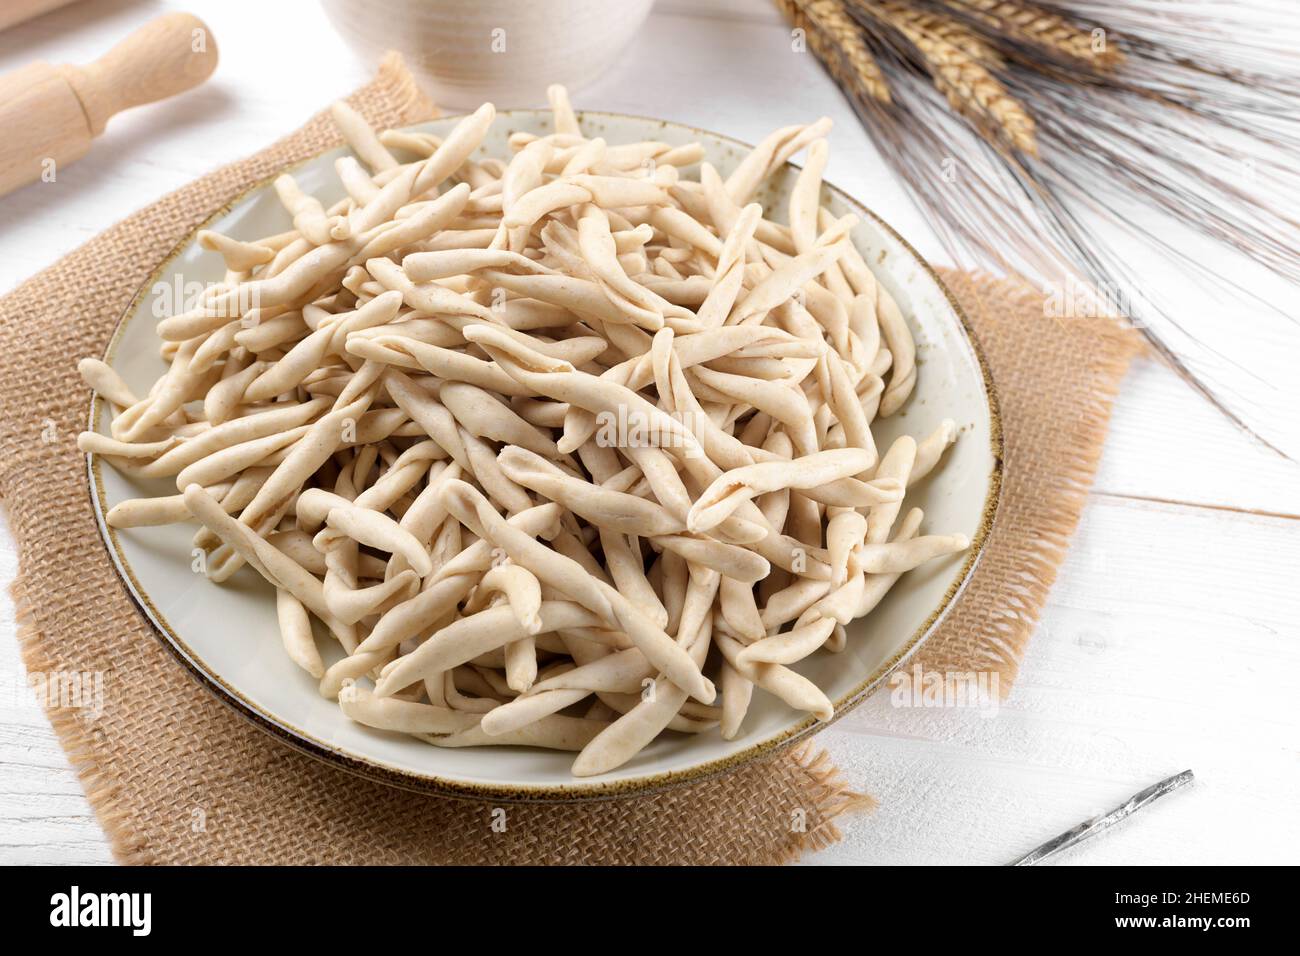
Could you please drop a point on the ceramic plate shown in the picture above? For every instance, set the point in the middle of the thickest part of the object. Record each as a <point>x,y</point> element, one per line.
<point>227,635</point>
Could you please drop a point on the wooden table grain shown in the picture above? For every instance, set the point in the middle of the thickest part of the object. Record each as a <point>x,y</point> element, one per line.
<point>1171,637</point>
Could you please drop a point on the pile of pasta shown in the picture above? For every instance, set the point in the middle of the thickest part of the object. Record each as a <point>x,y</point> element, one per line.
<point>564,450</point>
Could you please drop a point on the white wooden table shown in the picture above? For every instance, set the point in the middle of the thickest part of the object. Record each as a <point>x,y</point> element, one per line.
<point>1171,638</point>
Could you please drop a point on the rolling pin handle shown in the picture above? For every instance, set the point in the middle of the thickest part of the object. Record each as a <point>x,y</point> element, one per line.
<point>166,56</point>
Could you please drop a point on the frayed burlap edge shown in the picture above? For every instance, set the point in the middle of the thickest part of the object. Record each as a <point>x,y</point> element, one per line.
<point>76,739</point>
<point>1028,570</point>
<point>834,798</point>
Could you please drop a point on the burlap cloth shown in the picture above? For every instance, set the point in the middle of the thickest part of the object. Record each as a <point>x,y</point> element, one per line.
<point>175,776</point>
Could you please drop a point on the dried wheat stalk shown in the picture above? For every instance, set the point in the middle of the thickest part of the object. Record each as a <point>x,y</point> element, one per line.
<point>1040,28</point>
<point>1142,104</point>
<point>835,40</point>
<point>968,86</point>
<point>945,28</point>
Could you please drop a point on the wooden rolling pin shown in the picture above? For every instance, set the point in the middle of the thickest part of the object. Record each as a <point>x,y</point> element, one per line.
<point>49,114</point>
<point>19,11</point>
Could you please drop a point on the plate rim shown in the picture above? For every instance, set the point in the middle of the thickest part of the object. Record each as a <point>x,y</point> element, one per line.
<point>581,789</point>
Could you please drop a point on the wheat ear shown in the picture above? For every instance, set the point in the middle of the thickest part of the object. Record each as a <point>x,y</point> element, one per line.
<point>834,38</point>
<point>946,28</point>
<point>1035,26</point>
<point>970,89</point>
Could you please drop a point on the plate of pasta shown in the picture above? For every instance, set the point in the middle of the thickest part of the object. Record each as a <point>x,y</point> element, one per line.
<point>545,455</point>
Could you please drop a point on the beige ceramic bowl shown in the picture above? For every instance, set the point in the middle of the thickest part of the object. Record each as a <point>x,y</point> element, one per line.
<point>227,635</point>
<point>466,52</point>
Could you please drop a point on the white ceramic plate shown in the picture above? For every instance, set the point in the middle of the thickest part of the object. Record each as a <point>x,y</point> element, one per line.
<point>227,635</point>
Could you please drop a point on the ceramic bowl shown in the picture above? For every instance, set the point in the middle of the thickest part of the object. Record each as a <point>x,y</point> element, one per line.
<point>466,52</point>
<point>227,635</point>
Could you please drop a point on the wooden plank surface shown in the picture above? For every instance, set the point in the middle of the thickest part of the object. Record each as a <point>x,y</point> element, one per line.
<point>1150,659</point>
<point>1170,640</point>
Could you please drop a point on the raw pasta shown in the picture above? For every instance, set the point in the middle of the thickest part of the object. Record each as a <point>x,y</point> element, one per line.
<point>564,449</point>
